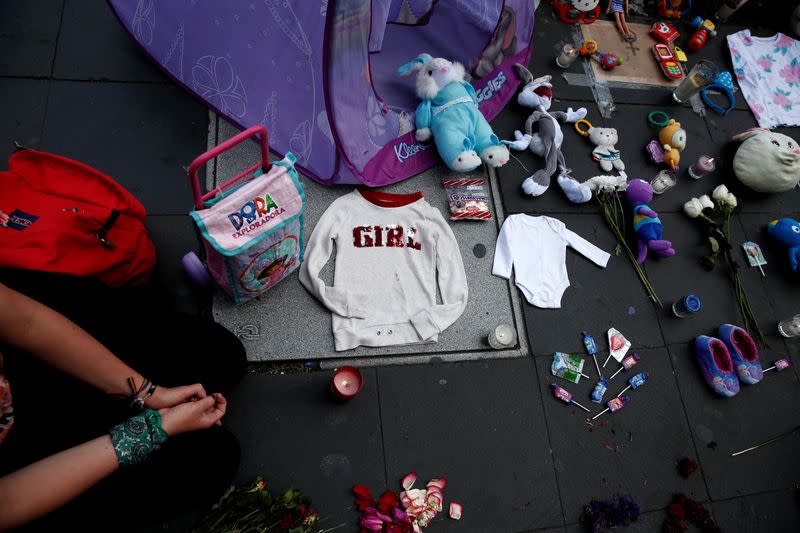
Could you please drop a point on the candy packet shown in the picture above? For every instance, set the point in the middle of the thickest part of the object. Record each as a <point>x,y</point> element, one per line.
<point>468,199</point>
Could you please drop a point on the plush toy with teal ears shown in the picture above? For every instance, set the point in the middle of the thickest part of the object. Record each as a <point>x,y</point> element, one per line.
<point>646,223</point>
<point>787,232</point>
<point>449,112</point>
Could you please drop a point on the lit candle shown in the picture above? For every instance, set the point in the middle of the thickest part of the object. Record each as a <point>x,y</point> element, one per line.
<point>346,382</point>
<point>568,55</point>
<point>502,337</point>
<point>704,165</point>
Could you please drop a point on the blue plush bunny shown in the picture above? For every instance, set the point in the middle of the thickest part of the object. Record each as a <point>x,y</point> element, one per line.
<point>449,112</point>
<point>787,232</point>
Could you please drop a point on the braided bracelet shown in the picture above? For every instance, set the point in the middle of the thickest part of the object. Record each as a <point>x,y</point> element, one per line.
<point>135,396</point>
<point>137,437</point>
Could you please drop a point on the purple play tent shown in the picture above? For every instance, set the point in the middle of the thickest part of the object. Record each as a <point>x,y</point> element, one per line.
<point>321,74</point>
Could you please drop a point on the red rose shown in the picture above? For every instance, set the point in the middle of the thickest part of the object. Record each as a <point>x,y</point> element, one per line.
<point>388,501</point>
<point>361,491</point>
<point>364,497</point>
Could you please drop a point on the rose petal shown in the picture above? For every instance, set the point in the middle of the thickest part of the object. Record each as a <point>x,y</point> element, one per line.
<point>455,511</point>
<point>409,480</point>
<point>371,523</point>
<point>438,482</point>
<point>361,491</point>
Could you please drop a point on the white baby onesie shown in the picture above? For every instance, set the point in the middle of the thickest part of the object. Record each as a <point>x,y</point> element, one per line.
<point>536,247</point>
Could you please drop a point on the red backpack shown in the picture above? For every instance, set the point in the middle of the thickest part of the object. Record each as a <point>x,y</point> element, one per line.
<point>59,215</point>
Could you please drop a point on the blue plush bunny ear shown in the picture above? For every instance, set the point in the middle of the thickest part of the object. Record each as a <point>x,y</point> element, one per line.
<point>415,64</point>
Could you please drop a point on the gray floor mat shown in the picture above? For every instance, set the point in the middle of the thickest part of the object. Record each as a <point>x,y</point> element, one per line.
<point>287,323</point>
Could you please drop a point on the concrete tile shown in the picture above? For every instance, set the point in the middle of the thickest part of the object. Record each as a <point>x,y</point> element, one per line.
<point>28,36</point>
<point>142,135</point>
<point>780,283</point>
<point>489,300</point>
<point>636,453</point>
<point>647,523</point>
<point>770,511</point>
<point>597,300</point>
<point>481,426</point>
<point>295,435</point>
<point>635,133</point>
<point>683,274</point>
<point>25,105</point>
<point>174,236</point>
<point>93,45</point>
<point>758,413</point>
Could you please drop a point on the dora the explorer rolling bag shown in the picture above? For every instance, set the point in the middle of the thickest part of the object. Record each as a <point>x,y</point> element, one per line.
<point>59,215</point>
<point>251,227</point>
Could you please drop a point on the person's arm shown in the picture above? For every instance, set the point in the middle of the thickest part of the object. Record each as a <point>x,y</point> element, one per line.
<point>36,329</point>
<point>68,474</point>
<point>608,9</point>
<point>452,282</point>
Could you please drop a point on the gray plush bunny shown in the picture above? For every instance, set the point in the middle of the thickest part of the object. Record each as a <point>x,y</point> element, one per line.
<point>538,93</point>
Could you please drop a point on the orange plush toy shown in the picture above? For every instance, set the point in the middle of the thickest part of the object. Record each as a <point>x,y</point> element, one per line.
<point>673,139</point>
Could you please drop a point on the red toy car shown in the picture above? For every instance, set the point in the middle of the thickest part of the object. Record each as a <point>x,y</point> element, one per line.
<point>666,60</point>
<point>664,32</point>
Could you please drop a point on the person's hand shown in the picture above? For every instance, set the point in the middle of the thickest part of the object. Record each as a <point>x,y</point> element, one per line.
<point>164,397</point>
<point>191,416</point>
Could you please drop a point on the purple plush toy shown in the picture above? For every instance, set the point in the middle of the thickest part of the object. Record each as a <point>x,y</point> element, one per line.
<point>646,223</point>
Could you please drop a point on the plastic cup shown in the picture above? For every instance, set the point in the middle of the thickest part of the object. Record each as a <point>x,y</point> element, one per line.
<point>702,73</point>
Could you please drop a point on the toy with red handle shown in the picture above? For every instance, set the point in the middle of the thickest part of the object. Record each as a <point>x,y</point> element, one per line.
<point>704,30</point>
<point>202,159</point>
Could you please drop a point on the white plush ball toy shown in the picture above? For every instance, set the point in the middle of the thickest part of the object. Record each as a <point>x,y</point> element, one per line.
<point>767,161</point>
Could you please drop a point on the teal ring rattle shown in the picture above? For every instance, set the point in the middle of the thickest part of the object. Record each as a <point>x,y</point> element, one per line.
<point>651,119</point>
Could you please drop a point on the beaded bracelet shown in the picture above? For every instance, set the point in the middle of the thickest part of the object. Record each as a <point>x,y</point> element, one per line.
<point>137,437</point>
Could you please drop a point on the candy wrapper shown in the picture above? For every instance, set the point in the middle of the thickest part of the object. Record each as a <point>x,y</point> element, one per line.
<point>468,199</point>
<point>569,367</point>
<point>618,346</point>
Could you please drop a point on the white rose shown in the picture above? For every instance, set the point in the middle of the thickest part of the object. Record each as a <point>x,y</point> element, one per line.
<point>706,202</point>
<point>732,200</point>
<point>693,208</point>
<point>720,194</point>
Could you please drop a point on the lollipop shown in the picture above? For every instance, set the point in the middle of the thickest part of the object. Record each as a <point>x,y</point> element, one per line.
<point>569,367</point>
<point>591,349</point>
<point>634,382</point>
<point>627,364</point>
<point>618,346</point>
<point>599,390</point>
<point>614,405</point>
<point>780,365</point>
<point>565,396</point>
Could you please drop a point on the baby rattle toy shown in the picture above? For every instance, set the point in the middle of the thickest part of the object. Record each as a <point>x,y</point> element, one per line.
<point>608,60</point>
<point>646,223</point>
<point>450,114</point>
<point>786,231</point>
<point>671,140</point>
<point>538,94</point>
<point>604,140</point>
<point>704,29</point>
